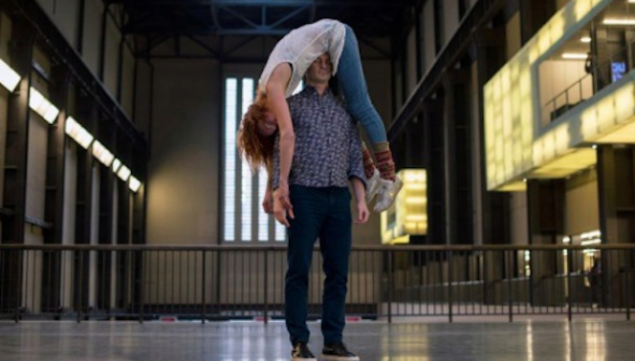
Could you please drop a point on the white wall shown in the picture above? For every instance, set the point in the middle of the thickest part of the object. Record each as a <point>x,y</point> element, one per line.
<point>92,34</point>
<point>69,221</point>
<point>36,166</point>
<point>32,275</point>
<point>519,216</point>
<point>450,19</point>
<point>37,154</point>
<point>127,80</point>
<point>5,36</point>
<point>556,76</point>
<point>94,237</point>
<point>582,212</point>
<point>65,17</point>
<point>70,193</point>
<point>111,65</point>
<point>518,200</point>
<point>35,195</point>
<point>184,169</point>
<point>65,14</point>
<point>476,157</point>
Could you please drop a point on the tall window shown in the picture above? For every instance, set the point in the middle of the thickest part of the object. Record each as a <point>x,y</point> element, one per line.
<point>244,220</point>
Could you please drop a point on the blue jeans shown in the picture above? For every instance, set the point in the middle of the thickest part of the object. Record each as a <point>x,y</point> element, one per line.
<point>352,84</point>
<point>322,213</point>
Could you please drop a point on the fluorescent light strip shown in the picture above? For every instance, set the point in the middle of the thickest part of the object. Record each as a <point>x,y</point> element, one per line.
<point>78,133</point>
<point>585,39</point>
<point>43,106</point>
<point>8,77</point>
<point>134,184</point>
<point>416,200</point>
<point>123,173</point>
<point>416,217</point>
<point>593,234</point>
<point>580,56</point>
<point>104,155</point>
<point>619,21</point>
<point>593,241</point>
<point>115,165</point>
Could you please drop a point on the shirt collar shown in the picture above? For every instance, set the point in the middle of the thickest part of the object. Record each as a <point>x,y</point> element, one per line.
<point>310,90</point>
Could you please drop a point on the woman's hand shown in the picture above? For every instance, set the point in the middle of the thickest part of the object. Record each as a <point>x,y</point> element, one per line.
<point>267,201</point>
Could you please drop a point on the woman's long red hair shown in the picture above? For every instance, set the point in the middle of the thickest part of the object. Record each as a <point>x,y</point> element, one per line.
<point>254,148</point>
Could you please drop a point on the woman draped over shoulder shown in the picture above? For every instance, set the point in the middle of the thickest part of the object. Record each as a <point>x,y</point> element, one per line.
<point>283,72</point>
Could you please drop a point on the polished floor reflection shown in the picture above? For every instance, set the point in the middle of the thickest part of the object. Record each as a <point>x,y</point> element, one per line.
<point>591,340</point>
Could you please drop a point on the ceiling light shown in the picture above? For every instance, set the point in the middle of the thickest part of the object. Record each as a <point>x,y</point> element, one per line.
<point>8,77</point>
<point>416,217</point>
<point>115,165</point>
<point>78,133</point>
<point>585,39</point>
<point>134,184</point>
<point>574,56</point>
<point>104,155</point>
<point>619,22</point>
<point>42,106</point>
<point>123,173</point>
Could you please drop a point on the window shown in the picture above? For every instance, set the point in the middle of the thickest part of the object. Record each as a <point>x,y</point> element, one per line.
<point>229,213</point>
<point>244,221</point>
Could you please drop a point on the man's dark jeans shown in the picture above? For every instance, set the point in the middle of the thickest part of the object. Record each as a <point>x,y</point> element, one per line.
<point>322,213</point>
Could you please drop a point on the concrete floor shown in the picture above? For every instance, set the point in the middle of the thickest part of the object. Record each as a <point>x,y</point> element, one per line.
<point>582,340</point>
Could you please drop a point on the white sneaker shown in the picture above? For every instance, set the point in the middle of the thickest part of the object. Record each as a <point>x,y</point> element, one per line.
<point>387,193</point>
<point>372,186</point>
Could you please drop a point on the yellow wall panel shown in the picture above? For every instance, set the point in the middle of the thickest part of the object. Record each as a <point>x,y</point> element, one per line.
<point>516,142</point>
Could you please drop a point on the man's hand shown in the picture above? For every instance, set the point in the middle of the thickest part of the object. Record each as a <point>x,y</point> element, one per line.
<point>282,204</point>
<point>362,212</point>
<point>267,201</point>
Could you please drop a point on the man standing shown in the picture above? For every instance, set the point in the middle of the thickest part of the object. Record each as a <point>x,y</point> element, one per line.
<point>327,156</point>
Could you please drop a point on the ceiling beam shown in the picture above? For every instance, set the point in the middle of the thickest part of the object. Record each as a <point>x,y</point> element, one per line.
<point>268,3</point>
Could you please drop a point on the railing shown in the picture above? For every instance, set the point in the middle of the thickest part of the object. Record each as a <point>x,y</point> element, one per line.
<point>598,76</point>
<point>210,283</point>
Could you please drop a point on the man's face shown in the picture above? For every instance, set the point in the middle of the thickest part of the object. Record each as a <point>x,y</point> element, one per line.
<point>320,70</point>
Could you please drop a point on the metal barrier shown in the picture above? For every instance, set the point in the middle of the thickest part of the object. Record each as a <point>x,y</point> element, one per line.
<point>209,283</point>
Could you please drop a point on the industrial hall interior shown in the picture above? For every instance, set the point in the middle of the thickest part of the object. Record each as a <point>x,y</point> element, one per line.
<point>272,180</point>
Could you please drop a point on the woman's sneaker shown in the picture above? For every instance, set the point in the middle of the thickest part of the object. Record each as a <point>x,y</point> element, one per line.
<point>372,186</point>
<point>387,193</point>
<point>301,352</point>
<point>338,353</point>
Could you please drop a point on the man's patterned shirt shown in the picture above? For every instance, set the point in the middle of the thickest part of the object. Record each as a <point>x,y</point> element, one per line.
<point>328,149</point>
